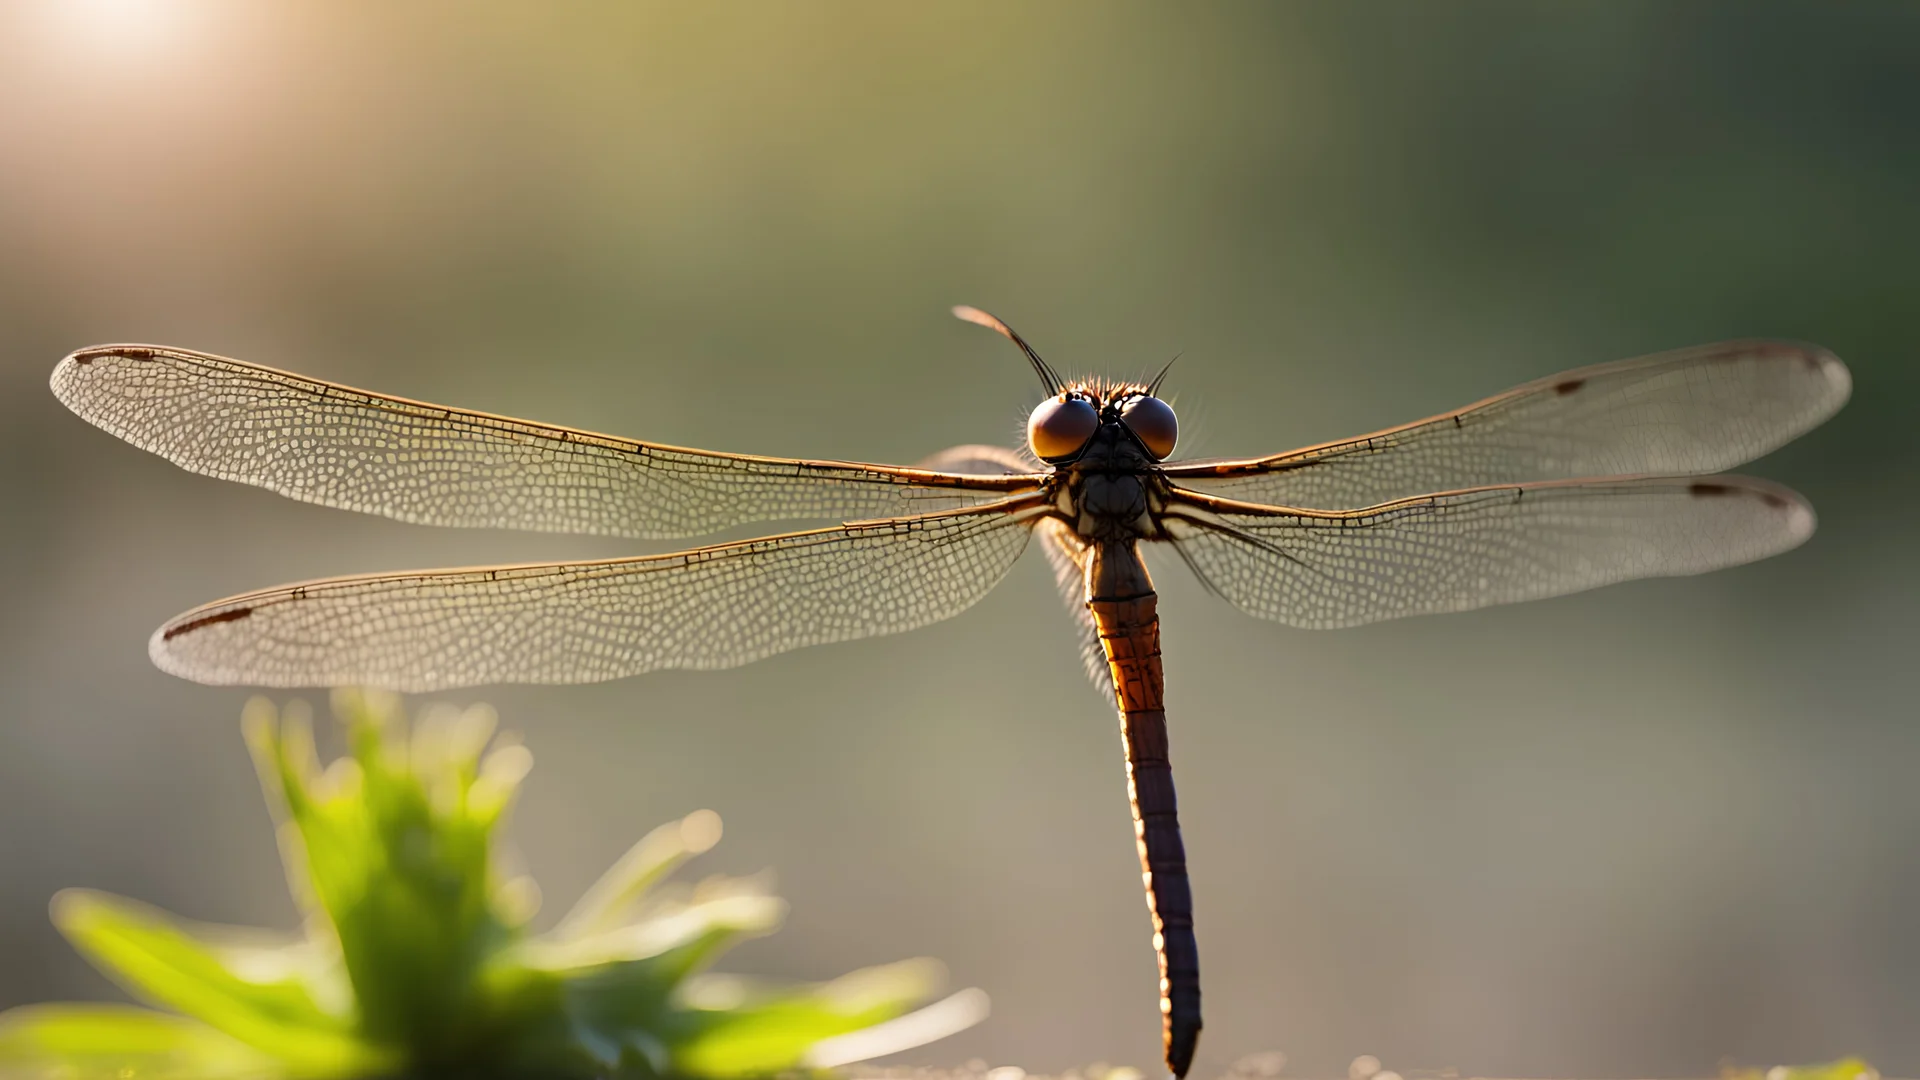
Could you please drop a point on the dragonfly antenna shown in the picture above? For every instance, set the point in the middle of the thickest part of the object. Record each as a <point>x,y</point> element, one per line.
<point>1153,388</point>
<point>980,318</point>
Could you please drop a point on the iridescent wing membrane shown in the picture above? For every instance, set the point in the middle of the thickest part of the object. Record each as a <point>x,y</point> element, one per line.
<point>1468,549</point>
<point>1560,485</point>
<point>1066,553</point>
<point>323,443</point>
<point>1681,413</point>
<point>714,607</point>
<point>940,540</point>
<point>1512,521</point>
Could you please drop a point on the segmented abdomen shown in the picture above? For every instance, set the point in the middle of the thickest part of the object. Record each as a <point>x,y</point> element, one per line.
<point>1130,635</point>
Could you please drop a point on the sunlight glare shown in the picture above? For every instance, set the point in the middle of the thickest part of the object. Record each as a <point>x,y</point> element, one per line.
<point>118,29</point>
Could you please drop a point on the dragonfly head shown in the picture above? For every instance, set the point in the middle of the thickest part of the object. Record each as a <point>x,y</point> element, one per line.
<point>1061,428</point>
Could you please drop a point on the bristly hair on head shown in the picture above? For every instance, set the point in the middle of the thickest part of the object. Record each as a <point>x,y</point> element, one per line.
<point>1106,392</point>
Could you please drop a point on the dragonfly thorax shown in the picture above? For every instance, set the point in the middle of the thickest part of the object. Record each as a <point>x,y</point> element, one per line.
<point>1113,489</point>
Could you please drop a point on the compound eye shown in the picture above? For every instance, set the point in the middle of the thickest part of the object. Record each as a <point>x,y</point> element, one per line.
<point>1152,421</point>
<point>1060,426</point>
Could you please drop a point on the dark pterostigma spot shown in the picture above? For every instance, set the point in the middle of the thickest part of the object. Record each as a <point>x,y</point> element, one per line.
<point>188,627</point>
<point>1569,386</point>
<point>88,356</point>
<point>1812,356</point>
<point>1771,498</point>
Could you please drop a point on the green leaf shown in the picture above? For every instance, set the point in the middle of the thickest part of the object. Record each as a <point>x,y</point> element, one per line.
<point>738,1036</point>
<point>609,901</point>
<point>123,1043</point>
<point>416,959</point>
<point>169,965</point>
<point>393,845</point>
<point>692,935</point>
<point>1849,1068</point>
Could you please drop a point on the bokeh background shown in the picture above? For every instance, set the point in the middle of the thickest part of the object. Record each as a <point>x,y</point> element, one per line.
<point>1632,832</point>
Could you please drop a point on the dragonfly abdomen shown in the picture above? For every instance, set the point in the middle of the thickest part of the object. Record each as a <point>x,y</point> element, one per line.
<point>1125,610</point>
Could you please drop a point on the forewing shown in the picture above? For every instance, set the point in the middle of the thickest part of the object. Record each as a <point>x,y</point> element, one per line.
<point>1469,549</point>
<point>714,607</point>
<point>1694,411</point>
<point>337,446</point>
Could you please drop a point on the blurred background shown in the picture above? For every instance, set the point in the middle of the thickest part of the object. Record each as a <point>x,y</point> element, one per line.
<point>1632,832</point>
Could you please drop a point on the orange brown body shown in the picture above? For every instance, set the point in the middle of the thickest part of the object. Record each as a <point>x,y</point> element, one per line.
<point>1125,613</point>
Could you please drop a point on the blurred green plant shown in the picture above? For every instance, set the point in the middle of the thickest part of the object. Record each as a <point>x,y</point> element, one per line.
<point>416,959</point>
<point>1850,1068</point>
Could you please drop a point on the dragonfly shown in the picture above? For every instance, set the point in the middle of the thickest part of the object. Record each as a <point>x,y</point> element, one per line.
<point>1583,479</point>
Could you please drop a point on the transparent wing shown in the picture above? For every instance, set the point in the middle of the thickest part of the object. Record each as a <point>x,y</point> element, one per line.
<point>1068,556</point>
<point>337,446</point>
<point>1066,553</point>
<point>713,607</point>
<point>981,460</point>
<point>1693,411</point>
<point>1468,549</point>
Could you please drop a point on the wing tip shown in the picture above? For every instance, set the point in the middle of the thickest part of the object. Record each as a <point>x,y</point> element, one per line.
<point>1819,358</point>
<point>165,647</point>
<point>1839,376</point>
<point>84,357</point>
<point>1798,518</point>
<point>162,654</point>
<point>195,620</point>
<point>67,372</point>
